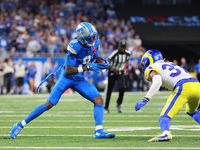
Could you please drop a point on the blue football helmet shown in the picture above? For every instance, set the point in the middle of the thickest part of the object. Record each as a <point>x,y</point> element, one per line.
<point>86,34</point>
<point>150,57</point>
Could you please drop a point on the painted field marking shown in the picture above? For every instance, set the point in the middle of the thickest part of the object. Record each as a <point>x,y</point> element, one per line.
<point>65,135</point>
<point>111,128</point>
<point>137,148</point>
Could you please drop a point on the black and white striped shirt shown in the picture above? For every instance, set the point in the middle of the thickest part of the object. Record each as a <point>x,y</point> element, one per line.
<point>118,60</point>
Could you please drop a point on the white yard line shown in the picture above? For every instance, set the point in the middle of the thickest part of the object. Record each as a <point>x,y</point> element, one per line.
<point>63,135</point>
<point>137,148</point>
<point>138,121</point>
<point>86,121</point>
<point>83,116</point>
<point>113,129</point>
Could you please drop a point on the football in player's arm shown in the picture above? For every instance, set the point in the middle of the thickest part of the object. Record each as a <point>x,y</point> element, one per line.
<point>80,52</point>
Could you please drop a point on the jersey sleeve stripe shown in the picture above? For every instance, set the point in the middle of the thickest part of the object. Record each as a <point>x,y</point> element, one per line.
<point>73,51</point>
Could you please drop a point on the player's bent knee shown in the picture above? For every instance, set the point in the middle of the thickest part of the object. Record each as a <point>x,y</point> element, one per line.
<point>190,114</point>
<point>98,100</point>
<point>48,104</point>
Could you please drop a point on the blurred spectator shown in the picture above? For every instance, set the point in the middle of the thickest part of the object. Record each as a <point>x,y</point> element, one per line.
<point>52,80</point>
<point>8,70</point>
<point>137,52</point>
<point>52,41</point>
<point>184,63</point>
<point>2,26</point>
<point>191,66</point>
<point>3,53</point>
<point>130,27</point>
<point>45,27</point>
<point>110,12</point>
<point>197,70</point>
<point>175,61</point>
<point>31,72</point>
<point>70,5</point>
<point>47,67</point>
<point>129,76</point>
<point>137,41</point>
<point>139,75</point>
<point>130,39</point>
<point>33,47</point>
<point>44,49</point>
<point>131,49</point>
<point>4,42</point>
<point>13,41</point>
<point>112,41</point>
<point>141,49</point>
<point>105,51</point>
<point>1,74</point>
<point>20,72</point>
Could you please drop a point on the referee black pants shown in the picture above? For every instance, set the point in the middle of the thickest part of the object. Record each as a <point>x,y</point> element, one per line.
<point>120,85</point>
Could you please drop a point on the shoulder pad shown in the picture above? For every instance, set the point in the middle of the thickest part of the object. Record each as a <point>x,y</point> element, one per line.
<point>148,70</point>
<point>74,46</point>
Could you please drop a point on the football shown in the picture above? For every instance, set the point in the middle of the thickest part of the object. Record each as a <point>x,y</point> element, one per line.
<point>99,60</point>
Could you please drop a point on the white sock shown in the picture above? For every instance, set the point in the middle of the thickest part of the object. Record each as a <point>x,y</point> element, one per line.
<point>166,131</point>
<point>98,127</point>
<point>23,123</point>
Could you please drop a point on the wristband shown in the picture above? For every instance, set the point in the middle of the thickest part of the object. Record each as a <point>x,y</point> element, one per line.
<point>80,69</point>
<point>146,98</point>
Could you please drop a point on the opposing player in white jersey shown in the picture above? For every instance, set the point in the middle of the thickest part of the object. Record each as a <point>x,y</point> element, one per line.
<point>185,90</point>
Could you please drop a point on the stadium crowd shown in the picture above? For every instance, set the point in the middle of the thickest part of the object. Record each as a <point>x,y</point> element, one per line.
<point>43,28</point>
<point>31,28</point>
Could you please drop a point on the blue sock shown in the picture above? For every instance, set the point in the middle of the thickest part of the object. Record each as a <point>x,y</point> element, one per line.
<point>195,116</point>
<point>36,112</point>
<point>164,122</point>
<point>98,115</point>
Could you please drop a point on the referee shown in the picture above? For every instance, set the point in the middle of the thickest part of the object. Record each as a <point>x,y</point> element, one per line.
<point>117,59</point>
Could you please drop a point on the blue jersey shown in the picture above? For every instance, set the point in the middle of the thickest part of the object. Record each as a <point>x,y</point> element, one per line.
<point>197,68</point>
<point>78,55</point>
<point>31,72</point>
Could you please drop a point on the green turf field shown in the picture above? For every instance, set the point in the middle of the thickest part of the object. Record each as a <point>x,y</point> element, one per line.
<point>70,125</point>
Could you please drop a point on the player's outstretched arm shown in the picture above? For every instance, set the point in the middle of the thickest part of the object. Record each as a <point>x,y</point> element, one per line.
<point>140,104</point>
<point>156,79</point>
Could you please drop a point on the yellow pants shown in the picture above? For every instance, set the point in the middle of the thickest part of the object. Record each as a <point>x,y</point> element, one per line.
<point>187,93</point>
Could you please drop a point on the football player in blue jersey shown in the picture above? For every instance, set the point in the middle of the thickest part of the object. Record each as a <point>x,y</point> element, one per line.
<point>80,52</point>
<point>185,90</point>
